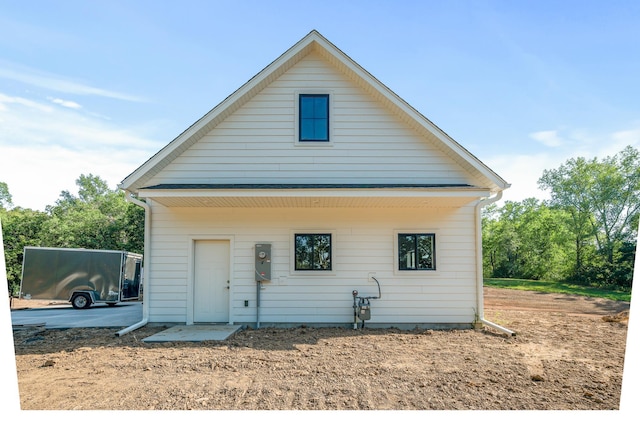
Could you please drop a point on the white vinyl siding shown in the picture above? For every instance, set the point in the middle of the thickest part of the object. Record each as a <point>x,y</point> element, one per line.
<point>363,240</point>
<point>369,144</point>
<point>257,143</point>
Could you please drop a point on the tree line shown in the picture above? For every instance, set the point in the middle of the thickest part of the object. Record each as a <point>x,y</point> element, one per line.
<point>97,218</point>
<point>585,233</point>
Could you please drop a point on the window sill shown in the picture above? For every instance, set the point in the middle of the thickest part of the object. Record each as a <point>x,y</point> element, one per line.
<point>417,273</point>
<point>313,273</point>
<point>314,144</point>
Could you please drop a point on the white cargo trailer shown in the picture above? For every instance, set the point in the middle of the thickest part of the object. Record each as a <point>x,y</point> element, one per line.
<point>81,276</point>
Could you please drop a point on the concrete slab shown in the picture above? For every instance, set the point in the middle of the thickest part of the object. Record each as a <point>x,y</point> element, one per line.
<point>193,333</point>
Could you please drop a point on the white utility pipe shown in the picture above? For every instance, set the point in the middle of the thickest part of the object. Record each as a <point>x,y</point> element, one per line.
<point>479,265</point>
<point>146,262</point>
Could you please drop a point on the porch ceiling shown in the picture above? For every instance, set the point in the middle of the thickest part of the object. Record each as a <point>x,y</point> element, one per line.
<point>327,197</point>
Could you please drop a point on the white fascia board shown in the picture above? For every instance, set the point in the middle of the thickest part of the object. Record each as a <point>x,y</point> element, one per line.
<point>318,193</point>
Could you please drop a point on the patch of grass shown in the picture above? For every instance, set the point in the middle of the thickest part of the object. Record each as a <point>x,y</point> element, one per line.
<point>557,287</point>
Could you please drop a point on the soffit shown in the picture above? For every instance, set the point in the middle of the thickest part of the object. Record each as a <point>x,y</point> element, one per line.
<point>408,197</point>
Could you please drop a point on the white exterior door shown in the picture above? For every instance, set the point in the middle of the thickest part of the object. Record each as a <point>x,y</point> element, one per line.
<point>211,281</point>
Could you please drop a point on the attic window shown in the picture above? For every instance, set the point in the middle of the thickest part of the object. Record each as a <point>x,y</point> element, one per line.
<point>313,118</point>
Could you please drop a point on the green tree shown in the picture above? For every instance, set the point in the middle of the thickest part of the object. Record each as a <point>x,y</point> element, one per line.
<point>5,196</point>
<point>569,185</point>
<point>20,228</point>
<point>615,200</point>
<point>524,240</point>
<point>131,227</point>
<point>602,199</point>
<point>98,218</point>
<point>546,242</point>
<point>503,241</point>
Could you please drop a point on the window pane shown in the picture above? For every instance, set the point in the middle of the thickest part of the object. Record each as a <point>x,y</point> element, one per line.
<point>306,107</point>
<point>322,252</point>
<point>303,251</point>
<point>313,251</point>
<point>406,251</point>
<point>320,130</point>
<point>425,252</point>
<point>306,130</point>
<point>320,109</point>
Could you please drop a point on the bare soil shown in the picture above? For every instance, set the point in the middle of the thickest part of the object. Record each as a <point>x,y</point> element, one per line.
<point>567,354</point>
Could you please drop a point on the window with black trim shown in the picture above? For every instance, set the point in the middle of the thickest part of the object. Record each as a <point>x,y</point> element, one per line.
<point>313,115</point>
<point>312,252</point>
<point>416,252</point>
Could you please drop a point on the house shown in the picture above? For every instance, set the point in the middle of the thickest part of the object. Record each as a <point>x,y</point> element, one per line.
<point>311,182</point>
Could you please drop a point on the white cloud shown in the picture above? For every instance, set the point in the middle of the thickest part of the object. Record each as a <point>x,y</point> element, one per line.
<point>36,177</point>
<point>548,138</point>
<point>44,149</point>
<point>59,84</point>
<point>5,99</point>
<point>623,139</point>
<point>66,104</point>
<point>524,171</point>
<point>28,122</point>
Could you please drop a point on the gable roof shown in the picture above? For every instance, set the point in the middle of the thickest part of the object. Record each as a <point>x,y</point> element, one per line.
<point>313,41</point>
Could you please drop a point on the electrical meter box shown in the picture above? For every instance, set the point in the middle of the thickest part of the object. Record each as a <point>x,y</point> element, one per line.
<point>263,262</point>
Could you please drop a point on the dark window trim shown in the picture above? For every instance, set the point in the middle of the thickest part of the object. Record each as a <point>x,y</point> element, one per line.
<point>313,235</point>
<point>301,96</point>
<point>416,266</point>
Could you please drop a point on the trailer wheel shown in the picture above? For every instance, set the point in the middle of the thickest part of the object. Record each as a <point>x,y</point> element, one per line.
<point>81,301</point>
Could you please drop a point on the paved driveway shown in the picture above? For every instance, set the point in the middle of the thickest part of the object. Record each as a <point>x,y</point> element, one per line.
<point>121,315</point>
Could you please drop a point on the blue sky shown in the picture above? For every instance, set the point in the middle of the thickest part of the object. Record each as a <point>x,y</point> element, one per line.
<point>100,86</point>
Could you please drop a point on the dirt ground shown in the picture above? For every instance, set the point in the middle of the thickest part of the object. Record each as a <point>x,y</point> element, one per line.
<point>567,354</point>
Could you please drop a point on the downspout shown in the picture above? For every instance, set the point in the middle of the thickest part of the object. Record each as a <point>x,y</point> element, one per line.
<point>146,262</point>
<point>479,266</point>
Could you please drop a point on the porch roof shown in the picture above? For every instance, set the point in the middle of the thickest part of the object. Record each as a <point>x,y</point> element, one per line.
<point>313,195</point>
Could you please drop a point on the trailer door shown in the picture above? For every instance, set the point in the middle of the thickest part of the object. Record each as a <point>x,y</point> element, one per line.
<point>132,278</point>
